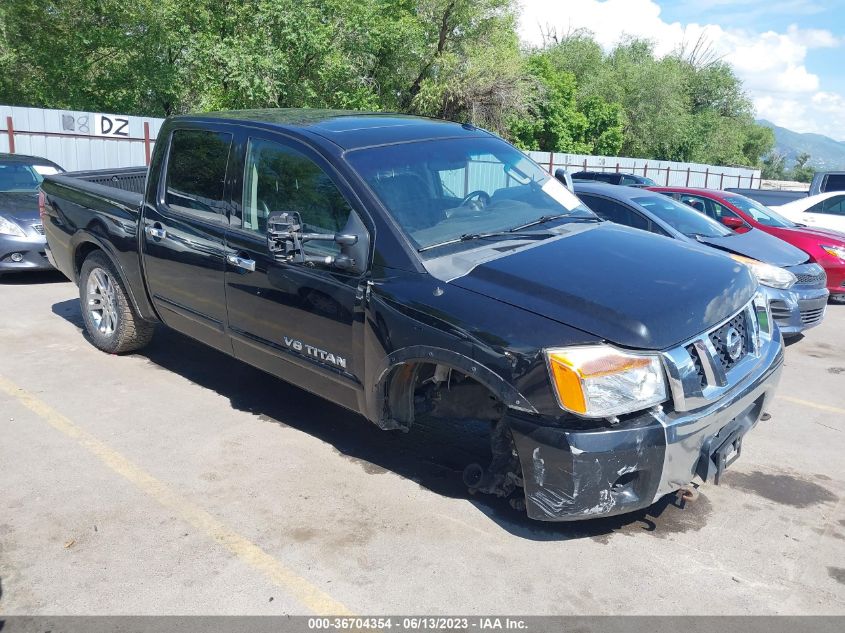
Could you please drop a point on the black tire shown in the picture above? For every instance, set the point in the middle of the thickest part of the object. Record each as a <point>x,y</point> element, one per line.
<point>115,328</point>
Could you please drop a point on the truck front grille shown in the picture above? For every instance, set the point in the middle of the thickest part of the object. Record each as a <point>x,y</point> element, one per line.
<point>704,368</point>
<point>721,341</point>
<point>699,367</point>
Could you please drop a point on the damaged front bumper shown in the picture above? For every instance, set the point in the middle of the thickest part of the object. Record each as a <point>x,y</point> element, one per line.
<point>579,474</point>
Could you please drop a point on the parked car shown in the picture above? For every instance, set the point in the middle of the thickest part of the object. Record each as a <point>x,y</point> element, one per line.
<point>22,242</point>
<point>615,178</point>
<point>404,267</point>
<point>824,211</point>
<point>796,288</point>
<point>825,247</point>
<point>823,182</point>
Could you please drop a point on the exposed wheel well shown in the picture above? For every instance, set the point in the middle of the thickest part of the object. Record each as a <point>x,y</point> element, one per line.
<point>445,395</point>
<point>439,390</point>
<point>81,254</point>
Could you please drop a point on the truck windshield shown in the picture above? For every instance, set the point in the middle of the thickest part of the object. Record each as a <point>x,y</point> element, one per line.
<point>681,217</point>
<point>444,190</point>
<point>21,177</point>
<point>761,214</point>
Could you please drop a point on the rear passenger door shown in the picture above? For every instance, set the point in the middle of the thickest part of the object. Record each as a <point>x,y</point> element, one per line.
<point>184,228</point>
<point>299,321</point>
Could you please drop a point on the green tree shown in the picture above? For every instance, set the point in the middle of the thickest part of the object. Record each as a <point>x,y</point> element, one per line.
<point>687,106</point>
<point>773,166</point>
<point>802,171</point>
<point>557,123</point>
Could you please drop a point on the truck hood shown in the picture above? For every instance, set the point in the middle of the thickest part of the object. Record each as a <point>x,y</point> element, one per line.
<point>19,205</point>
<point>760,246</point>
<point>624,285</point>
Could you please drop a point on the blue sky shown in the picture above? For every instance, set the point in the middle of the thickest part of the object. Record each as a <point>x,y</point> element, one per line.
<point>789,53</point>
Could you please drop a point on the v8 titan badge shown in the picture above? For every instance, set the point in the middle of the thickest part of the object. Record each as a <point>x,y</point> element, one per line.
<point>315,352</point>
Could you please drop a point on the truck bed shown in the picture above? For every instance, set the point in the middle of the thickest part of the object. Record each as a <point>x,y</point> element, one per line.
<point>122,186</point>
<point>102,208</point>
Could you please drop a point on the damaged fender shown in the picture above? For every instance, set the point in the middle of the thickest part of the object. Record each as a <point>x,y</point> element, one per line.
<point>377,409</point>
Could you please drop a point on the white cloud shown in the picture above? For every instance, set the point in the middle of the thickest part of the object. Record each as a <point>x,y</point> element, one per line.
<point>771,64</point>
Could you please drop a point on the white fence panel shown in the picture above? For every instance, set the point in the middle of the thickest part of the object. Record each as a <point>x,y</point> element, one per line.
<point>78,140</point>
<point>661,171</point>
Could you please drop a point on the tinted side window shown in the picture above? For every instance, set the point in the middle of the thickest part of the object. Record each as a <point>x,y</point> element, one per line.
<point>279,179</point>
<point>196,172</point>
<point>616,212</point>
<point>834,205</point>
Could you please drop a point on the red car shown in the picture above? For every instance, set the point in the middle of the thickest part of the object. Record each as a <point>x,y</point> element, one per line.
<point>825,247</point>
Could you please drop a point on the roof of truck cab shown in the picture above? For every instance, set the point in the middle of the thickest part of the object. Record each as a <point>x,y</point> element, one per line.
<point>349,129</point>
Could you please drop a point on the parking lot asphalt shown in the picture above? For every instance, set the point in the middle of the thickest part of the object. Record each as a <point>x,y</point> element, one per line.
<point>180,481</point>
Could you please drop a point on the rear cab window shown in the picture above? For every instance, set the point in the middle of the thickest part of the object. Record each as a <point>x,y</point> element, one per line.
<point>833,182</point>
<point>195,181</point>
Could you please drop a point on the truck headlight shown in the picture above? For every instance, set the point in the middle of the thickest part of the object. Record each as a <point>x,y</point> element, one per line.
<point>599,381</point>
<point>835,251</point>
<point>768,275</point>
<point>7,227</point>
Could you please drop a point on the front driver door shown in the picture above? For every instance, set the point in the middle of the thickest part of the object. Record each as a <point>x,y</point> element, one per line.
<point>298,321</point>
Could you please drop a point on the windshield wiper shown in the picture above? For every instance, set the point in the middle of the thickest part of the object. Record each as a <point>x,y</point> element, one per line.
<point>468,237</point>
<point>548,218</point>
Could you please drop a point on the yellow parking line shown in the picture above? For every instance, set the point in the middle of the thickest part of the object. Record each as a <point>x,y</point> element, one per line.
<point>306,593</point>
<point>814,405</point>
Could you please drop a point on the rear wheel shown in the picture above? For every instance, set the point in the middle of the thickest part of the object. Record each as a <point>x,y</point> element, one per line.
<point>110,320</point>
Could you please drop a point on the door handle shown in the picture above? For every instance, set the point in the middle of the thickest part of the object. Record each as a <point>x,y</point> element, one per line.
<point>155,232</point>
<point>241,262</point>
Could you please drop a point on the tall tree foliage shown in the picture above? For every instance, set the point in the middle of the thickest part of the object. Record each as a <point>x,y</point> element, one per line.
<point>456,59</point>
<point>557,122</point>
<point>687,106</point>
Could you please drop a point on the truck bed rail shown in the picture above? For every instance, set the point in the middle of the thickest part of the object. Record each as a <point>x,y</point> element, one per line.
<point>132,179</point>
<point>99,192</point>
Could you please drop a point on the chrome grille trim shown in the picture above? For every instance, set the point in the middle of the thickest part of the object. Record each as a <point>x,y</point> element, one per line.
<point>690,390</point>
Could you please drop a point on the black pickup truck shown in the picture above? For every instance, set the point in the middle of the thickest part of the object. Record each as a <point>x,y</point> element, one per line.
<point>405,267</point>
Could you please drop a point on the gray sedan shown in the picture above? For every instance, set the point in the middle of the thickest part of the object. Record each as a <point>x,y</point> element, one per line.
<point>22,242</point>
<point>796,288</point>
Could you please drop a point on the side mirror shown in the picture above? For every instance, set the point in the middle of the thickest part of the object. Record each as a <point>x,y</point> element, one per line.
<point>732,222</point>
<point>285,239</point>
<point>565,178</point>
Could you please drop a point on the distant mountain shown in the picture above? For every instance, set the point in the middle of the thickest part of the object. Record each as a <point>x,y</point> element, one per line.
<point>825,153</point>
